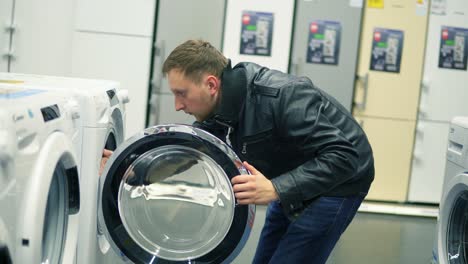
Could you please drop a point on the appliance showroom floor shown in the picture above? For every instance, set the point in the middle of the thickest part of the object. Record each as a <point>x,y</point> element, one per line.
<point>386,239</point>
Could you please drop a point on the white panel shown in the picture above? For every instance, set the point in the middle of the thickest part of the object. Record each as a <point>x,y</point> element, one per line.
<point>43,37</point>
<point>121,58</point>
<point>427,174</point>
<point>135,17</point>
<point>167,113</point>
<point>444,92</point>
<point>282,27</point>
<point>6,11</point>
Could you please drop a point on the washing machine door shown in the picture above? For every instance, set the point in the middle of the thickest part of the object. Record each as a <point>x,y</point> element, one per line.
<point>47,224</point>
<point>166,197</point>
<point>453,222</point>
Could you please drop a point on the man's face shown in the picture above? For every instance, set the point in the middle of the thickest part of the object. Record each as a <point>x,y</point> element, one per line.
<point>197,99</point>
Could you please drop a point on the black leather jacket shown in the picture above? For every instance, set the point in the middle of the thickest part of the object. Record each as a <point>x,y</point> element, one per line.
<point>298,136</point>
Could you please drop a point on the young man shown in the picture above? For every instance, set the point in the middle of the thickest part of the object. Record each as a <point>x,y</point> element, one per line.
<point>309,159</point>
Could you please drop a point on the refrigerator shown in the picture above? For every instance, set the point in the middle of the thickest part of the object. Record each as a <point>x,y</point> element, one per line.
<point>6,29</point>
<point>42,37</point>
<point>387,89</point>
<point>173,26</point>
<point>443,96</point>
<point>325,45</point>
<point>115,43</point>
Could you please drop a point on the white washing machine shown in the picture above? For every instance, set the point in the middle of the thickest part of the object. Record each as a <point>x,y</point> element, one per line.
<point>166,197</point>
<point>102,108</point>
<point>452,226</point>
<point>46,192</point>
<point>7,185</point>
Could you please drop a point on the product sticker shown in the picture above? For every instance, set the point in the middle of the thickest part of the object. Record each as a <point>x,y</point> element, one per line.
<point>453,48</point>
<point>421,7</point>
<point>375,3</point>
<point>439,7</point>
<point>324,42</point>
<point>387,47</point>
<point>256,33</point>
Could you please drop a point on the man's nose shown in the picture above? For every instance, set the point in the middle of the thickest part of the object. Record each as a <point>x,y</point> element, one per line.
<point>178,105</point>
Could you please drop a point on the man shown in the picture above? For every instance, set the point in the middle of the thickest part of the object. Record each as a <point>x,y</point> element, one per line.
<point>308,158</point>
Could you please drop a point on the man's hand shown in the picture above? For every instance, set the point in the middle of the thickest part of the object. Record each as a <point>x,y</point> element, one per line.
<point>254,188</point>
<point>105,156</point>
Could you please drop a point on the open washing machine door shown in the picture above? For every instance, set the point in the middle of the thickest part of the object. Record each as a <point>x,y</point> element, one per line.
<point>166,197</point>
<point>453,222</point>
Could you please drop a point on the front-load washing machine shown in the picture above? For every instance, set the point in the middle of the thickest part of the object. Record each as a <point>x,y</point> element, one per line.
<point>166,197</point>
<point>45,199</point>
<point>452,227</point>
<point>102,123</point>
<point>7,186</point>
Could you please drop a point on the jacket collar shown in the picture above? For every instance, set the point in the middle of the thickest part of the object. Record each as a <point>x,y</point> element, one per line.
<point>233,94</point>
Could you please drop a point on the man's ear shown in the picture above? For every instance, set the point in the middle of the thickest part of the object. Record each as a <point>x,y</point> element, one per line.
<point>214,84</point>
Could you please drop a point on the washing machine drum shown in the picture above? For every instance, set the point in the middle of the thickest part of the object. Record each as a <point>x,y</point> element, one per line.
<point>166,197</point>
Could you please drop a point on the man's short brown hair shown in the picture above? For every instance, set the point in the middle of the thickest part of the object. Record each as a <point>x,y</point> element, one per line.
<point>195,58</point>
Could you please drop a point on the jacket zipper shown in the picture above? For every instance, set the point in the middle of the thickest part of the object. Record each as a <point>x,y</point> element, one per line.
<point>245,144</point>
<point>257,138</point>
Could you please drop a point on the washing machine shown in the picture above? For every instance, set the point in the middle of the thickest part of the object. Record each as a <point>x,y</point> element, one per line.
<point>7,186</point>
<point>452,227</point>
<point>102,123</point>
<point>45,197</point>
<point>166,197</point>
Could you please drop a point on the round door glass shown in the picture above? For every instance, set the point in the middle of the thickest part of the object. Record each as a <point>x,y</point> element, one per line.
<point>176,202</point>
<point>457,230</point>
<point>55,220</point>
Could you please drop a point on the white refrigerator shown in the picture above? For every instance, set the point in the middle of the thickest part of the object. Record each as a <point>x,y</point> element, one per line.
<point>444,94</point>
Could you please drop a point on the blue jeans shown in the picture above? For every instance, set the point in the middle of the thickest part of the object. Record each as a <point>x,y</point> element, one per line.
<point>309,238</point>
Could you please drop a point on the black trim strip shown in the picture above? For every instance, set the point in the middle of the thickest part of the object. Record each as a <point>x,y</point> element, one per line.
<point>73,190</point>
<point>50,112</point>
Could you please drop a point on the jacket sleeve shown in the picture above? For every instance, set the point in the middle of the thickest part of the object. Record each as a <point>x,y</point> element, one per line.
<point>331,159</point>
